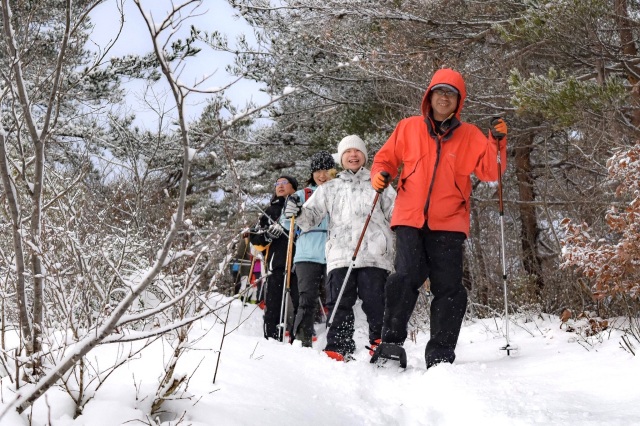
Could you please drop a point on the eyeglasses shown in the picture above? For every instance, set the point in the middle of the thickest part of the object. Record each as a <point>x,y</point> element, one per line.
<point>281,183</point>
<point>445,93</point>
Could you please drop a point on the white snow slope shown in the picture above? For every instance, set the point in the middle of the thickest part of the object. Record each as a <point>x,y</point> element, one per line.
<point>554,378</point>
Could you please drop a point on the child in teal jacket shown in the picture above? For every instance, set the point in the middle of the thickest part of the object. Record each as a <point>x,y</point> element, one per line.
<point>310,261</point>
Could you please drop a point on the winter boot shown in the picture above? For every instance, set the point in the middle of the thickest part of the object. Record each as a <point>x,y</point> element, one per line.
<point>338,356</point>
<point>334,355</point>
<point>306,341</point>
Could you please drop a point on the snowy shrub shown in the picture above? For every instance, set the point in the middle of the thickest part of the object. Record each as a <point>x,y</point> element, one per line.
<point>612,263</point>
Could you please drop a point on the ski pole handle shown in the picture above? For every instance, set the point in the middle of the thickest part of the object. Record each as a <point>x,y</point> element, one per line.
<point>380,181</point>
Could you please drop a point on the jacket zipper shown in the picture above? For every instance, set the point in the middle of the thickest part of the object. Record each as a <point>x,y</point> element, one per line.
<point>433,178</point>
<point>439,140</point>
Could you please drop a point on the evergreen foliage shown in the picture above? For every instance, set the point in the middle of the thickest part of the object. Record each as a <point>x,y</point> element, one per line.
<point>564,100</point>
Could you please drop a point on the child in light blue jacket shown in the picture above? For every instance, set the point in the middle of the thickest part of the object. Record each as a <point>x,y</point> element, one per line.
<point>310,261</point>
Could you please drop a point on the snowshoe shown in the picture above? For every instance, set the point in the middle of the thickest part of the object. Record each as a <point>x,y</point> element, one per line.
<point>389,351</point>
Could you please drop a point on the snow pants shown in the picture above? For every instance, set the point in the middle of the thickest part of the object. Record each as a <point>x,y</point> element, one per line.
<point>273,302</point>
<point>367,284</point>
<point>310,276</point>
<point>438,256</point>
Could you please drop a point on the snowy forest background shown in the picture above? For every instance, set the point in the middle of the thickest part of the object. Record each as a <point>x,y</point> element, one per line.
<point>113,233</point>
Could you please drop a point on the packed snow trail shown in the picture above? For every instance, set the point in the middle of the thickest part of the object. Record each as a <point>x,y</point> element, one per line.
<point>555,378</point>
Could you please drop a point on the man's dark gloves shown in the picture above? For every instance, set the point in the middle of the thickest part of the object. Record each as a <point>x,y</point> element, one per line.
<point>498,128</point>
<point>380,181</point>
<point>292,207</point>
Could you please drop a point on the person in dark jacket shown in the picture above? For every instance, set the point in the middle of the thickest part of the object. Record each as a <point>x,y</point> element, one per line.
<point>273,239</point>
<point>437,153</point>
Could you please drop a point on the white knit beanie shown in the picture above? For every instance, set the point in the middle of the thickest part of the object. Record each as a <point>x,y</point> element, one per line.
<point>348,142</point>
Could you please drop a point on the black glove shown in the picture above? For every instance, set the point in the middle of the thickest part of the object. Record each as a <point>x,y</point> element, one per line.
<point>498,128</point>
<point>274,231</point>
<point>292,207</point>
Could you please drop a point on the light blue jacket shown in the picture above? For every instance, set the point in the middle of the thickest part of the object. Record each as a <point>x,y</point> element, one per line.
<point>310,245</point>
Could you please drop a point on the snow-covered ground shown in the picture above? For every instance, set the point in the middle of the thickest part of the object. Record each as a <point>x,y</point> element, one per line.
<point>554,378</point>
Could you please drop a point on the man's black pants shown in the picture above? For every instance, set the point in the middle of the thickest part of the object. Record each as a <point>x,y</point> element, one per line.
<point>423,254</point>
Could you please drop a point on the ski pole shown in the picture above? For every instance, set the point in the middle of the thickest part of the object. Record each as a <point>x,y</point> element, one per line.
<point>353,262</point>
<point>286,288</point>
<point>324,315</point>
<point>508,346</point>
<point>262,286</point>
<point>271,221</point>
<point>263,273</point>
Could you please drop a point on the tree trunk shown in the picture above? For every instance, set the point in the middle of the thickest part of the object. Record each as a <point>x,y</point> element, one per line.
<point>14,211</point>
<point>630,51</point>
<point>36,256</point>
<point>479,262</point>
<point>529,230</point>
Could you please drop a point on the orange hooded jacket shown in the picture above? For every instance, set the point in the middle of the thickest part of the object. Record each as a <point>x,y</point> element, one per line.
<point>435,183</point>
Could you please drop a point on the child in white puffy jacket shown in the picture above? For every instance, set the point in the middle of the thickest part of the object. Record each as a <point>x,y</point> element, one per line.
<point>347,200</point>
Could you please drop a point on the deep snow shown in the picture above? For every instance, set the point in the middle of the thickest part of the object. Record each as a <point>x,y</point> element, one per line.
<point>554,378</point>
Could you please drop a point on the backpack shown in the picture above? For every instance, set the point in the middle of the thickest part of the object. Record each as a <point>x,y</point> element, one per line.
<point>307,193</point>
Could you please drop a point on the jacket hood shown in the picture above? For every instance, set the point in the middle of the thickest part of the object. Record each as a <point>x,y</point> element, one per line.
<point>445,76</point>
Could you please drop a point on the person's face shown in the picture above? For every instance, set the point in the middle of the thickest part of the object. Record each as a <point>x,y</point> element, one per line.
<point>352,159</point>
<point>443,103</point>
<point>283,188</point>
<point>321,176</point>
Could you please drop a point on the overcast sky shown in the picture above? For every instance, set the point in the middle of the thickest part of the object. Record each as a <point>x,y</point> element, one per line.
<point>135,39</point>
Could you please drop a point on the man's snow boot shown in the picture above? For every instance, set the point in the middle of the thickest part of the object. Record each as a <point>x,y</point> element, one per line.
<point>391,351</point>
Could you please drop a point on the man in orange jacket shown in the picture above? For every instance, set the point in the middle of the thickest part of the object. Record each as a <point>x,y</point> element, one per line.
<point>438,153</point>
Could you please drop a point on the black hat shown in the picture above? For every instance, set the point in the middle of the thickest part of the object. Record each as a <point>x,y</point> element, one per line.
<point>322,160</point>
<point>292,181</point>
